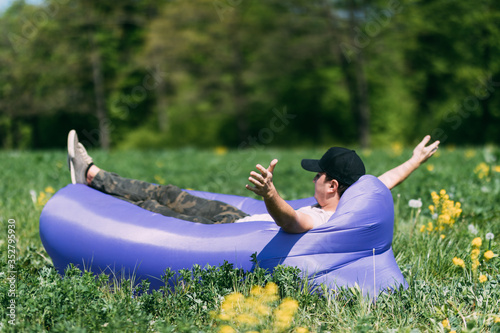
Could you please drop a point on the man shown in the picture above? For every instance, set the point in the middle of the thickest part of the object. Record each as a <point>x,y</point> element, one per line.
<point>335,172</point>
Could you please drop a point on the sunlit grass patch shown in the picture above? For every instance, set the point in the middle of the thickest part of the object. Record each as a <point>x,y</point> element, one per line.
<point>452,267</point>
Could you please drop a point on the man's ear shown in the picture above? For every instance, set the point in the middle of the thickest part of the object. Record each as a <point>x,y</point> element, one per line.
<point>334,185</point>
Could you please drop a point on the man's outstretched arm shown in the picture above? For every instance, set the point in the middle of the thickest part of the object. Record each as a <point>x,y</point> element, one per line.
<point>421,153</point>
<point>283,214</point>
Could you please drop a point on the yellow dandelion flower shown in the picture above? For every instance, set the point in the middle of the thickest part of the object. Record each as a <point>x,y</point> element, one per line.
<point>281,326</point>
<point>226,329</point>
<point>482,170</point>
<point>271,288</point>
<point>444,218</point>
<point>446,210</point>
<point>496,168</point>
<point>453,331</point>
<point>446,323</point>
<point>221,150</point>
<point>50,189</point>
<point>256,291</point>
<point>256,309</point>
<point>497,320</point>
<point>442,236</point>
<point>477,242</point>
<point>488,255</point>
<point>475,264</point>
<point>42,199</point>
<point>397,148</point>
<point>301,330</point>
<point>224,316</point>
<point>213,314</point>
<point>483,278</point>
<point>235,297</point>
<point>262,310</point>
<point>422,228</point>
<point>246,319</point>
<point>159,179</point>
<point>252,300</point>
<point>430,167</point>
<point>289,305</point>
<point>232,301</point>
<point>283,315</point>
<point>469,153</point>
<point>430,226</point>
<point>458,262</point>
<point>474,254</point>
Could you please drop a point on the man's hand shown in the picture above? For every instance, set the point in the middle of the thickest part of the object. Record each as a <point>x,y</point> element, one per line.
<point>421,153</point>
<point>281,212</point>
<point>264,181</point>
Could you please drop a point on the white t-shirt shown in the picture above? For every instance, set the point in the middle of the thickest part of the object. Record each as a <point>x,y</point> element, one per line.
<point>319,216</point>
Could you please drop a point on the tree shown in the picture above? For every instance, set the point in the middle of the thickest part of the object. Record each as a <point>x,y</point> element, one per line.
<point>449,52</point>
<point>63,62</point>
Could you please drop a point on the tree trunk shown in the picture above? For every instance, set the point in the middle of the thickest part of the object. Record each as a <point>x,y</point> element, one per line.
<point>361,95</point>
<point>161,107</point>
<point>353,71</point>
<point>240,100</point>
<point>100,99</point>
<point>237,67</point>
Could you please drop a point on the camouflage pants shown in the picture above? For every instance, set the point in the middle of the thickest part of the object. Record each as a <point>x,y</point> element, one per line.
<point>168,200</point>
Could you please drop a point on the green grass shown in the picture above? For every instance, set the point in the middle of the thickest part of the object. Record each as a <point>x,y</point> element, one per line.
<point>438,289</point>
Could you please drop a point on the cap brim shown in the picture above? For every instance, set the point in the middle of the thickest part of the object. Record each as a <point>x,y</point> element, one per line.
<point>311,165</point>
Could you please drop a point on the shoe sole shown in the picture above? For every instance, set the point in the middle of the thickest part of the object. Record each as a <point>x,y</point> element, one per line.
<point>71,155</point>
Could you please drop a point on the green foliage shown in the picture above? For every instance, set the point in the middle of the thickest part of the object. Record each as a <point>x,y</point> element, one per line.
<point>211,72</point>
<point>438,289</point>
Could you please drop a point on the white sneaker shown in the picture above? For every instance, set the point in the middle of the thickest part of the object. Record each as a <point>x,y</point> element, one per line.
<point>78,159</point>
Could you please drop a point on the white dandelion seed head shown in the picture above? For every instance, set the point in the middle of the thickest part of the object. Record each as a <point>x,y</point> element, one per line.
<point>488,156</point>
<point>33,196</point>
<point>489,236</point>
<point>485,189</point>
<point>415,203</point>
<point>472,229</point>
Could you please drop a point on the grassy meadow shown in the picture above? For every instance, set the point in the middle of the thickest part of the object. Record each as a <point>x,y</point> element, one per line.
<point>448,258</point>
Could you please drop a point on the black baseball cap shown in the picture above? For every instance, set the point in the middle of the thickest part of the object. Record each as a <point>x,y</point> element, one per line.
<point>338,163</point>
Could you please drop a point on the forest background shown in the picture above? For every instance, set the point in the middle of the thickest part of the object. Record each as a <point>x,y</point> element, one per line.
<point>243,73</point>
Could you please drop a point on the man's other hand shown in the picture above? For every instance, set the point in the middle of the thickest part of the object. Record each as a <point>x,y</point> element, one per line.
<point>263,181</point>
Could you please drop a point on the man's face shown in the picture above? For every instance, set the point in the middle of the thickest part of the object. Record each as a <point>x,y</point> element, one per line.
<point>321,186</point>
